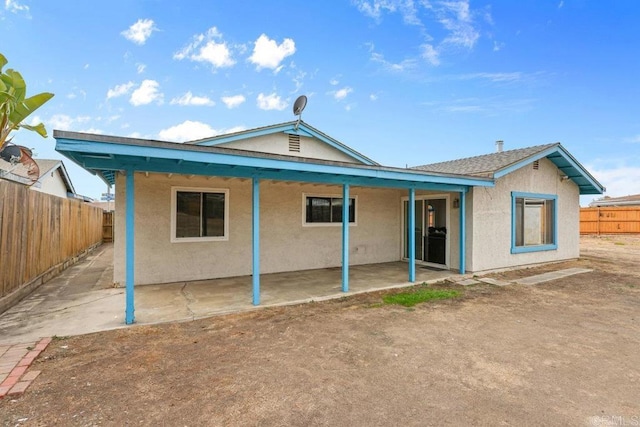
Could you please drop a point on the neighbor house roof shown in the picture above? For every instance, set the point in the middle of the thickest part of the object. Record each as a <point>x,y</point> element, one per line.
<point>632,200</point>
<point>296,128</point>
<point>19,172</point>
<point>496,165</point>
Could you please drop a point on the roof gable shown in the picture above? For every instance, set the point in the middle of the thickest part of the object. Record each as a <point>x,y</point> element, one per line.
<point>19,172</point>
<point>301,129</point>
<point>496,165</point>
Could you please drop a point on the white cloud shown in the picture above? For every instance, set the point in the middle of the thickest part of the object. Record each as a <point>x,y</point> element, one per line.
<point>207,47</point>
<point>430,54</point>
<point>341,94</point>
<point>86,66</point>
<point>91,130</point>
<point>15,7</point>
<point>634,139</point>
<point>146,94</point>
<point>334,82</point>
<point>404,65</point>
<point>375,8</point>
<point>140,31</point>
<point>560,4</point>
<point>373,97</point>
<point>494,77</point>
<point>119,90</point>
<point>233,101</point>
<point>271,102</point>
<point>189,99</point>
<point>63,121</point>
<point>71,95</point>
<point>140,68</point>
<point>269,54</point>
<point>187,131</point>
<point>620,180</point>
<point>454,16</point>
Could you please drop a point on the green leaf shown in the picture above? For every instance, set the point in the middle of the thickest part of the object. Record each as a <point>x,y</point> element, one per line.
<point>24,109</point>
<point>3,61</point>
<point>18,84</point>
<point>37,128</point>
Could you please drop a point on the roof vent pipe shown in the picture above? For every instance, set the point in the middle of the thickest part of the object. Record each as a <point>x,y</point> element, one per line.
<point>499,146</point>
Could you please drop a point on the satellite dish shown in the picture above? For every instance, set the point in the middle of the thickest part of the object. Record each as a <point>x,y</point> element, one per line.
<point>298,106</point>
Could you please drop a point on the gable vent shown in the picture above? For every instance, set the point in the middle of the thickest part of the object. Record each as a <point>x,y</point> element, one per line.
<point>536,165</point>
<point>294,143</point>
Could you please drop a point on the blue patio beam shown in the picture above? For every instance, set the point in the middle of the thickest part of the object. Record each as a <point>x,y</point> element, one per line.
<point>463,232</point>
<point>255,240</point>
<point>345,238</point>
<point>193,168</point>
<point>411,230</point>
<point>129,314</point>
<point>79,149</point>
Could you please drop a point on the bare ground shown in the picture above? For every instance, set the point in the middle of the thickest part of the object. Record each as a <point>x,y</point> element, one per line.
<point>558,353</point>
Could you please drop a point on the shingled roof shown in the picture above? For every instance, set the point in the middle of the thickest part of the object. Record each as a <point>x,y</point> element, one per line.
<point>496,165</point>
<point>485,165</point>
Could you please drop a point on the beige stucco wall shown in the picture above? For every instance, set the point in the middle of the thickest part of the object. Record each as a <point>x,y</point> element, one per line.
<point>285,244</point>
<point>52,183</point>
<point>490,225</point>
<point>279,144</point>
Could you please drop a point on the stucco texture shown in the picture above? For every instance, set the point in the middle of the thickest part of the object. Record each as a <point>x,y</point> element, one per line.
<point>310,148</point>
<point>286,244</point>
<point>491,215</point>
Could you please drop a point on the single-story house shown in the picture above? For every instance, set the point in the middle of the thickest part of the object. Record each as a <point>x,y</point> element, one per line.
<point>52,177</point>
<point>273,199</point>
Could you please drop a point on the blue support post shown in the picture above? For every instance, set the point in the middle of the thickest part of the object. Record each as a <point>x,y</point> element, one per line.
<point>255,240</point>
<point>129,313</point>
<point>345,238</point>
<point>411,231</point>
<point>463,232</point>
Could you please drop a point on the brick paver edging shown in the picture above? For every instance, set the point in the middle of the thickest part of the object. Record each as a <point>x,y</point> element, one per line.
<point>19,379</point>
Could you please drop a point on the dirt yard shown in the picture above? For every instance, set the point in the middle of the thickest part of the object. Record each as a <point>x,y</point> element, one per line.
<point>560,353</point>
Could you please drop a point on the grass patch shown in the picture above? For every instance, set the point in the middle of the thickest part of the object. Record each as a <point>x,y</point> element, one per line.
<point>409,299</point>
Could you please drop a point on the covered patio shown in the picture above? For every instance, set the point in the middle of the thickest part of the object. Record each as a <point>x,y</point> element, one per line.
<point>109,156</point>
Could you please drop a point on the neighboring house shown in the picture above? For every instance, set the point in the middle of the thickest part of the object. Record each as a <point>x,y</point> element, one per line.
<point>53,178</point>
<point>272,199</point>
<point>625,201</point>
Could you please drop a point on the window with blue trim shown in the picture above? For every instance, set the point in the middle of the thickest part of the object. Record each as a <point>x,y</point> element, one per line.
<point>534,222</point>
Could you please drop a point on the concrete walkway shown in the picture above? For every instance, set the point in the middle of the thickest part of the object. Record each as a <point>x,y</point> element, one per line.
<point>82,299</point>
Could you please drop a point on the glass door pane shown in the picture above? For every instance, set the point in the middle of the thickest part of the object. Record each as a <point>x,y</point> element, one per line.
<point>436,236</point>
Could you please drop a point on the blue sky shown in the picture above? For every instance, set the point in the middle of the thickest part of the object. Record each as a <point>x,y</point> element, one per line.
<point>405,82</point>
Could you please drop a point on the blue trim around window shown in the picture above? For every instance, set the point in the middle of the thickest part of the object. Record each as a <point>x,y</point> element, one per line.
<point>524,249</point>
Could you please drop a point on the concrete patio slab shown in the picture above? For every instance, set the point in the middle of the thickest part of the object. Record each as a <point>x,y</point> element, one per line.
<point>552,275</point>
<point>83,300</point>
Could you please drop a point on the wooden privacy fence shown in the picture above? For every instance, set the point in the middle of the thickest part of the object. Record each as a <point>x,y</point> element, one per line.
<point>610,220</point>
<point>41,234</point>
